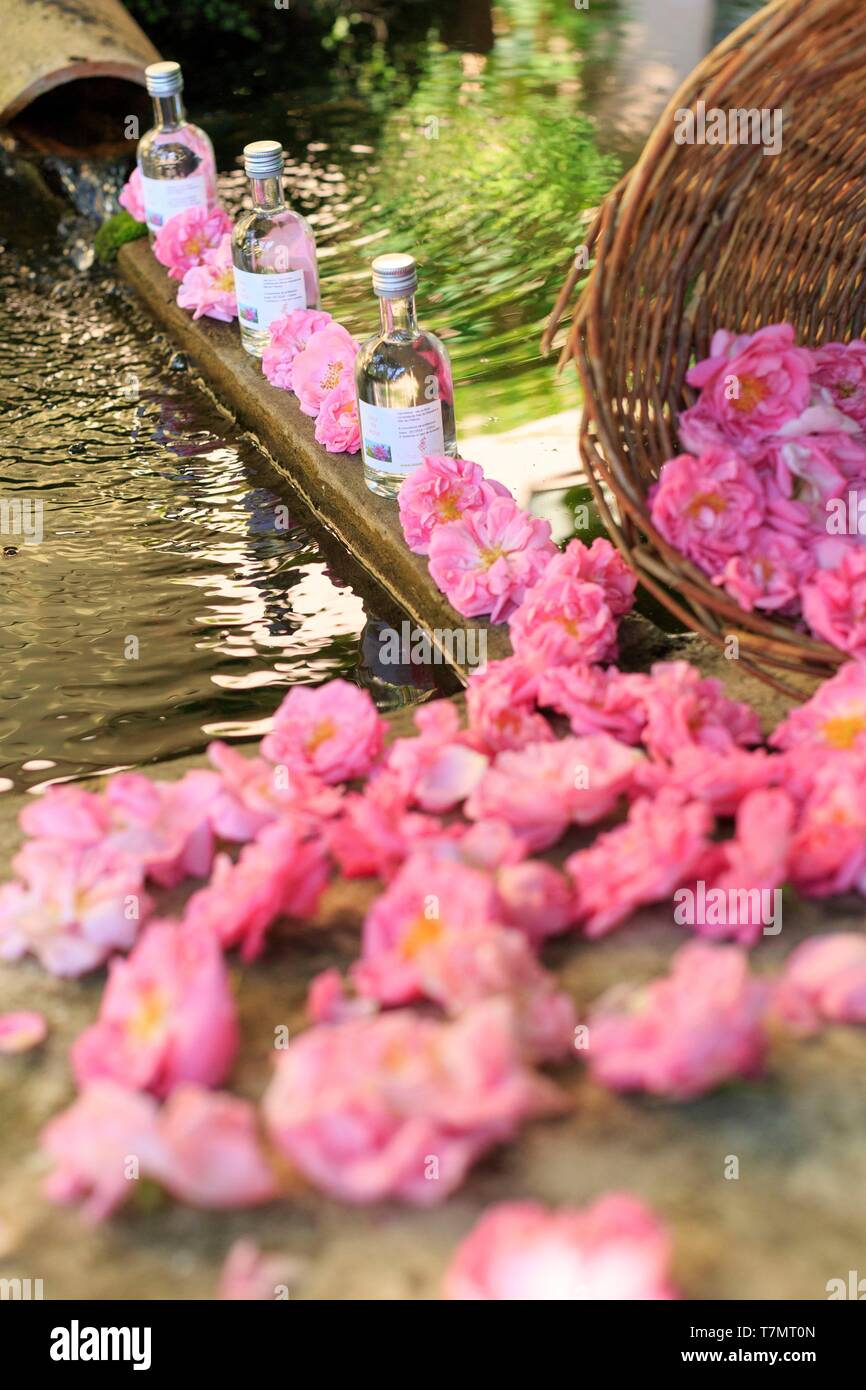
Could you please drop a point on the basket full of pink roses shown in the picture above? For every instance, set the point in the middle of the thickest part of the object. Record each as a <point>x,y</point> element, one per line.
<point>719,345</point>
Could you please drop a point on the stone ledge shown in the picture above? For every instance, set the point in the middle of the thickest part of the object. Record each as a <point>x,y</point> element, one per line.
<point>332,485</point>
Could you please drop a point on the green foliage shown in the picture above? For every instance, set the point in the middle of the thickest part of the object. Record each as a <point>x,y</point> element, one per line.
<point>113,233</point>
<point>228,16</point>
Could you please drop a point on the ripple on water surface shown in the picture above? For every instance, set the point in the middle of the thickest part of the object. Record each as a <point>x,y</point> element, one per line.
<point>154,591</point>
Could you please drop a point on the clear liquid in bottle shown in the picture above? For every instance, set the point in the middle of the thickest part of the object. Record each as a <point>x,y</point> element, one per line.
<point>403,382</point>
<point>175,157</point>
<point>273,251</point>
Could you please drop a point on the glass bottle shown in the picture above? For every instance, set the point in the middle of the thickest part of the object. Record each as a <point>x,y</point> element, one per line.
<point>273,250</point>
<point>175,157</point>
<point>403,382</point>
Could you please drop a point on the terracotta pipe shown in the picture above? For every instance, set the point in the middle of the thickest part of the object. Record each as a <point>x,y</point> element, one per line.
<point>49,43</point>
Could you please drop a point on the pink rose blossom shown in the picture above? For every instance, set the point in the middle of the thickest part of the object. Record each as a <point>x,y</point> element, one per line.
<point>816,454</point>
<point>769,575</point>
<point>97,1145</point>
<point>599,563</point>
<point>833,719</point>
<point>834,604</point>
<point>596,701</point>
<point>463,969</point>
<point>839,372</point>
<point>603,564</point>
<point>400,1106</point>
<point>815,466</point>
<point>569,614</point>
<point>66,812</point>
<point>433,935</point>
<point>501,709</point>
<point>458,966</point>
<point>786,514</point>
<point>212,1155</point>
<point>813,475</point>
<point>536,898</point>
<point>131,196</point>
<point>289,335</point>
<point>545,787</point>
<point>252,793</point>
<point>721,779</point>
<point>486,562</point>
<point>249,1274</point>
<point>429,897</point>
<point>209,289</point>
<point>658,848</point>
<point>333,731</point>
<point>184,240</point>
<point>828,552</point>
<point>73,907</point>
<point>750,386</point>
<point>338,427</point>
<point>684,1034</point>
<point>824,981</point>
<point>684,707</point>
<point>279,874</point>
<point>376,829</point>
<point>708,508</point>
<point>521,1251</point>
<point>820,418</point>
<point>203,1147</point>
<point>488,844</point>
<point>561,623</point>
<point>165,826</point>
<point>167,1015</point>
<point>442,489</point>
<point>21,1031</point>
<point>741,875</point>
<point>530,894</point>
<point>328,361</point>
<point>828,850</point>
<point>436,768</point>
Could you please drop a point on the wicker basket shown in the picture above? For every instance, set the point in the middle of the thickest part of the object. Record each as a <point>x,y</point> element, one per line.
<point>699,237</point>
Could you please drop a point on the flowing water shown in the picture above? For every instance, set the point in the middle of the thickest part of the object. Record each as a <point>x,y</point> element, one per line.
<point>155,589</point>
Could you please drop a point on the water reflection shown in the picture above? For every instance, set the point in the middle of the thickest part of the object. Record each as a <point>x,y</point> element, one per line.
<point>174,595</point>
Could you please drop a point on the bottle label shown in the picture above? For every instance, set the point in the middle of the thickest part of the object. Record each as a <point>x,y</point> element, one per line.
<point>395,440</point>
<point>165,198</point>
<point>265,296</point>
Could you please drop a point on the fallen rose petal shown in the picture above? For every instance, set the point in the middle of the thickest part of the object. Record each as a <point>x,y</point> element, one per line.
<point>21,1031</point>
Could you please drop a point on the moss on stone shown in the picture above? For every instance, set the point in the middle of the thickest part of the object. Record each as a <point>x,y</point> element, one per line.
<point>114,233</point>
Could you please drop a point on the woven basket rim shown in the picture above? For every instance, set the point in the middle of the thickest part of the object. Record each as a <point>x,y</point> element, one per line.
<point>613,422</point>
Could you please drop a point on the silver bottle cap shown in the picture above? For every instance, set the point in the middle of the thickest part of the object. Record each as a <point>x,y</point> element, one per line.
<point>394,276</point>
<point>163,79</point>
<point>263,159</point>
